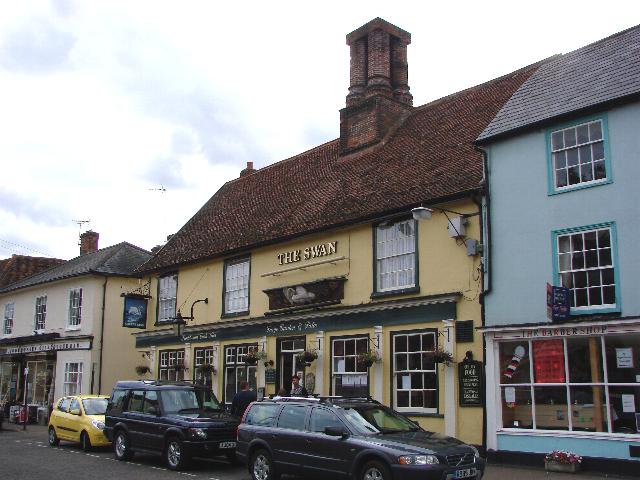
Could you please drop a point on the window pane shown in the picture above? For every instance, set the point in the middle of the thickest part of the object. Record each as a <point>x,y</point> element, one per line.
<point>292,416</point>
<point>569,137</point>
<point>588,409</point>
<point>560,160</point>
<point>572,157</point>
<point>623,358</point>
<point>595,131</point>
<point>514,362</point>
<point>625,403</point>
<point>548,361</point>
<point>583,134</point>
<point>395,247</point>
<point>551,408</point>
<point>321,419</point>
<point>516,407</point>
<point>561,178</point>
<point>557,141</point>
<point>585,360</point>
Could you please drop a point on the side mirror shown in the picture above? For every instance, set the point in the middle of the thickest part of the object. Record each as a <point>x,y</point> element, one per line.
<point>336,432</point>
<point>75,411</point>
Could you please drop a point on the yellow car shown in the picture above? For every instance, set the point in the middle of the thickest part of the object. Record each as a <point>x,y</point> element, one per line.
<point>79,419</point>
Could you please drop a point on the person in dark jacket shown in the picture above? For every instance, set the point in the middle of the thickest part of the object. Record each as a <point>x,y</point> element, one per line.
<point>242,399</point>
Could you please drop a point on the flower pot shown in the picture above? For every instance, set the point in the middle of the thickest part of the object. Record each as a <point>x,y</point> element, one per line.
<point>551,466</point>
<point>366,363</point>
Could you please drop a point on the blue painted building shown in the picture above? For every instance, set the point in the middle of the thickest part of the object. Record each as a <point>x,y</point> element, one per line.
<point>563,209</point>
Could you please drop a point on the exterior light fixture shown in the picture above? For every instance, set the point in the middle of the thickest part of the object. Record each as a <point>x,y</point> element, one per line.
<point>179,321</point>
<point>421,213</point>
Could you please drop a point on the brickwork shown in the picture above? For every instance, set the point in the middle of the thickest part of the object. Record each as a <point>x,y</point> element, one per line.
<point>89,242</point>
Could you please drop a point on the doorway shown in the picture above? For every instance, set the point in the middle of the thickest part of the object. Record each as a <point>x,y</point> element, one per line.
<point>288,364</point>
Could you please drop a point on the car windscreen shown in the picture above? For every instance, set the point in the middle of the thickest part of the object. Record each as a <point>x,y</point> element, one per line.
<point>95,406</point>
<point>184,401</point>
<point>378,419</point>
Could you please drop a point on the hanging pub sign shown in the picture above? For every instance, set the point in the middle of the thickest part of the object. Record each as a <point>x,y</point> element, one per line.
<point>135,312</point>
<point>558,306</point>
<point>470,383</point>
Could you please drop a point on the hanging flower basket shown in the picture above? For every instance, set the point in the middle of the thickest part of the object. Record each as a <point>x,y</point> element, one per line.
<point>142,370</point>
<point>307,357</point>
<point>207,369</point>
<point>367,359</point>
<point>441,356</point>
<point>254,356</point>
<point>179,367</point>
<point>562,461</point>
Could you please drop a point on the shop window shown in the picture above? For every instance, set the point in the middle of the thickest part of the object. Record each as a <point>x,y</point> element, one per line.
<point>8,381</point>
<point>395,254</point>
<point>7,325</point>
<point>236,370</point>
<point>236,286</point>
<point>75,307</point>
<point>203,362</point>
<point>72,378</point>
<point>575,387</point>
<point>167,294</point>
<point>41,313</point>
<point>39,381</point>
<point>171,365</point>
<point>349,379</point>
<point>415,388</point>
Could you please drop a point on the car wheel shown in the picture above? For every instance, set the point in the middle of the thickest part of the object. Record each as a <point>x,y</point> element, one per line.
<point>54,441</point>
<point>375,470</point>
<point>85,441</point>
<point>174,454</point>
<point>261,466</point>
<point>121,446</point>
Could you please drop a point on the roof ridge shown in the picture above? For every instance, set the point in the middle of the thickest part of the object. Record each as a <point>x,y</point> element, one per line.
<point>613,35</point>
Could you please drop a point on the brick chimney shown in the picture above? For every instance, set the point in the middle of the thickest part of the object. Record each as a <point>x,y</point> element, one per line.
<point>88,242</point>
<point>379,95</point>
<point>247,171</point>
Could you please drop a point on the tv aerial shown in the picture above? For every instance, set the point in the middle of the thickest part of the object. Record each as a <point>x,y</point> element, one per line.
<point>80,224</point>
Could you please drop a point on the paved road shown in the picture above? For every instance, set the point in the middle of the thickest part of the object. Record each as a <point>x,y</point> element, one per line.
<point>26,455</point>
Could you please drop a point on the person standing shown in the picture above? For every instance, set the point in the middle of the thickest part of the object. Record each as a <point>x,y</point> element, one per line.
<point>242,399</point>
<point>297,390</point>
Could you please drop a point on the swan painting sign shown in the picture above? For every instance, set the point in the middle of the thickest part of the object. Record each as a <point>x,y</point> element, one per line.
<point>135,312</point>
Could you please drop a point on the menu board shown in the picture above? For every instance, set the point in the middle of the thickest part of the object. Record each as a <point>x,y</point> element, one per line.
<point>470,383</point>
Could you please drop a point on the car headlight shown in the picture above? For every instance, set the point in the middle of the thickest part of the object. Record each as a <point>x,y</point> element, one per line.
<point>97,424</point>
<point>418,460</point>
<point>476,453</point>
<point>199,433</point>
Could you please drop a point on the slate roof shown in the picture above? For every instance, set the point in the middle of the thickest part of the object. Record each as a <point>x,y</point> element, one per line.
<point>430,158</point>
<point>600,73</point>
<point>120,259</point>
<point>21,266</point>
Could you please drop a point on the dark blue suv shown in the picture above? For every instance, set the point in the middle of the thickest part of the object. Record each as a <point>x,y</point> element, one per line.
<point>347,438</point>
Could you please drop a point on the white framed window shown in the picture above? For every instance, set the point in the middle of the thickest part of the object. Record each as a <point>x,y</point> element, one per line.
<point>586,265</point>
<point>7,324</point>
<point>40,319</point>
<point>578,156</point>
<point>395,255</point>
<point>171,365</point>
<point>348,377</point>
<point>202,356</point>
<point>236,286</point>
<point>577,384</point>
<point>72,378</point>
<point>415,385</point>
<point>167,294</point>
<point>75,307</point>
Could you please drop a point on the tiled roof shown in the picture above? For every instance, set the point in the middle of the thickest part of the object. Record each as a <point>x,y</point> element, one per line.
<point>21,266</point>
<point>430,157</point>
<point>605,71</point>
<point>120,259</point>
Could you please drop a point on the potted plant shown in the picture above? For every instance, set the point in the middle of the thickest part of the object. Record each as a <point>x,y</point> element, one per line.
<point>142,370</point>
<point>254,356</point>
<point>307,356</point>
<point>207,369</point>
<point>562,461</point>
<point>368,358</point>
<point>440,355</point>
<point>180,366</point>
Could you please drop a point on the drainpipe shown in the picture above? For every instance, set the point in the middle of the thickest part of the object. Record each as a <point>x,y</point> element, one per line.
<point>104,300</point>
<point>486,253</point>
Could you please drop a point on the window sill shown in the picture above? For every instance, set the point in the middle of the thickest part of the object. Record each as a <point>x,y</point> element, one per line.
<point>580,187</point>
<point>235,314</point>
<point>391,293</point>
<point>629,437</point>
<point>73,328</point>
<point>164,323</point>
<point>595,311</point>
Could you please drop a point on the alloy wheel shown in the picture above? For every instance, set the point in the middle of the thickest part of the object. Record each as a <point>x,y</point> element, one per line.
<point>372,473</point>
<point>261,467</point>
<point>173,454</point>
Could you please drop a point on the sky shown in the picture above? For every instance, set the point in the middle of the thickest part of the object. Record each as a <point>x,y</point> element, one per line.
<point>132,114</point>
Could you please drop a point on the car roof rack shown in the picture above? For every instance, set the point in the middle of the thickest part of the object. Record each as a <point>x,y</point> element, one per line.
<point>329,400</point>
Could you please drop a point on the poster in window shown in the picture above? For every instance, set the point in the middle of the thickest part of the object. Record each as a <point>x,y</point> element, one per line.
<point>548,361</point>
<point>624,357</point>
<point>135,312</point>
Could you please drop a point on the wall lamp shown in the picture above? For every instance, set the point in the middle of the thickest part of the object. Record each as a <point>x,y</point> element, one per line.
<point>457,224</point>
<point>179,321</point>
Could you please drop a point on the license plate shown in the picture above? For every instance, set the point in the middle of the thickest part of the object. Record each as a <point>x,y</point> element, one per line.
<point>466,473</point>
<point>227,445</point>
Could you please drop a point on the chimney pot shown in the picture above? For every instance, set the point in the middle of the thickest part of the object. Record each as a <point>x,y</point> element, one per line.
<point>248,171</point>
<point>89,242</point>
